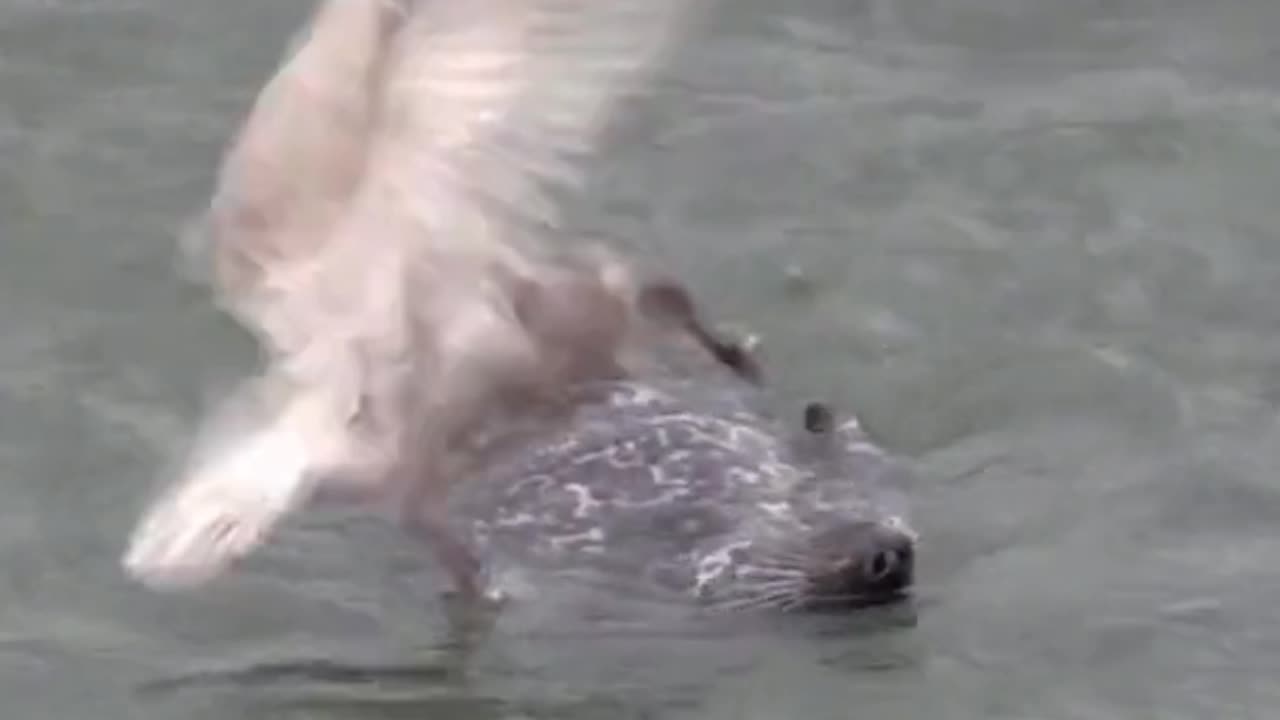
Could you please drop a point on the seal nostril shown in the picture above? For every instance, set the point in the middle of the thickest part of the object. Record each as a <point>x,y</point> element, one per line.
<point>880,565</point>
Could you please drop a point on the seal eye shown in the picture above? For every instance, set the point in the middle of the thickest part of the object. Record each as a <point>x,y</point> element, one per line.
<point>880,565</point>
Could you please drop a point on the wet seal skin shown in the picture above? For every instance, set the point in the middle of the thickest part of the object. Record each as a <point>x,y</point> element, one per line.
<point>679,481</point>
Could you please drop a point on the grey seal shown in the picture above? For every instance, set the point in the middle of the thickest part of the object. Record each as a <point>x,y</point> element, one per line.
<point>683,482</point>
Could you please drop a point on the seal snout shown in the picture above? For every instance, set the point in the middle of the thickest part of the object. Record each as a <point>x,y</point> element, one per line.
<point>868,563</point>
<point>889,568</point>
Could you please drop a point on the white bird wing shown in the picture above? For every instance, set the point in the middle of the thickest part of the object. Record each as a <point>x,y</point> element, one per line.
<point>300,154</point>
<point>436,150</point>
<point>286,179</point>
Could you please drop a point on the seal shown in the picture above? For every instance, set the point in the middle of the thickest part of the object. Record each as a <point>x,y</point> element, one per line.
<point>683,481</point>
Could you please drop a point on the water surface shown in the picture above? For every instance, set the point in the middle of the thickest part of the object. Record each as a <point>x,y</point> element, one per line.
<point>1041,246</point>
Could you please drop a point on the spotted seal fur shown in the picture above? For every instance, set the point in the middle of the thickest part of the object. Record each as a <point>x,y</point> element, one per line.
<point>682,480</point>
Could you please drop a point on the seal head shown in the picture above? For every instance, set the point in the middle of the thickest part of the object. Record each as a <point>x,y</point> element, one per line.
<point>684,484</point>
<point>846,567</point>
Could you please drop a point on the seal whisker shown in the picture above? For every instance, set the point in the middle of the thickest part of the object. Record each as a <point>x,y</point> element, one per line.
<point>752,594</point>
<point>758,585</point>
<point>792,604</point>
<point>772,566</point>
<point>783,553</point>
<point>780,558</point>
<point>752,602</point>
<point>789,570</point>
<point>765,572</point>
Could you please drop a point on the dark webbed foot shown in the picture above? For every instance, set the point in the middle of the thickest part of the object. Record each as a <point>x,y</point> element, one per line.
<point>467,573</point>
<point>581,320</point>
<point>665,301</point>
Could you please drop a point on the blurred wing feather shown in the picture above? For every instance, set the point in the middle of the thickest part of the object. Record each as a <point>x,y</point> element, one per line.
<point>300,154</point>
<point>490,104</point>
<point>363,163</point>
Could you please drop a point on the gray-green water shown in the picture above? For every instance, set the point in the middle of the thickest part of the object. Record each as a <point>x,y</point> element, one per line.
<point>1045,241</point>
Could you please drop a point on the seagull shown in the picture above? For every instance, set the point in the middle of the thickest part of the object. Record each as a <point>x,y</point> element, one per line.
<point>380,224</point>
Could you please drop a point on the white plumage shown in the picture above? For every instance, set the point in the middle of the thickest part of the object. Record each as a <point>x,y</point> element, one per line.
<point>374,226</point>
